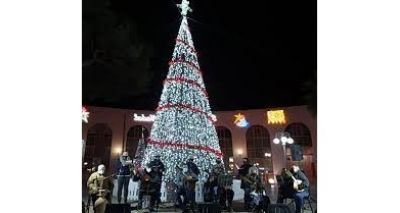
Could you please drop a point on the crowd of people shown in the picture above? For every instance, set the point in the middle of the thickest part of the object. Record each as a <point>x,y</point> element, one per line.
<point>217,185</point>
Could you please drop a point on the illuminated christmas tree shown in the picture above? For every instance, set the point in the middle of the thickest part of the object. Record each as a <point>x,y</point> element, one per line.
<point>139,155</point>
<point>184,125</point>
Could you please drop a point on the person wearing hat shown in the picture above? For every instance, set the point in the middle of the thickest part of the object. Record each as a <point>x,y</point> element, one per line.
<point>100,188</point>
<point>180,189</point>
<point>158,167</point>
<point>191,177</point>
<point>149,185</point>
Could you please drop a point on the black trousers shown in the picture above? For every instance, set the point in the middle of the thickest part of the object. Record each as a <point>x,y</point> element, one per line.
<point>94,198</point>
<point>247,197</point>
<point>158,194</point>
<point>225,196</point>
<point>153,198</point>
<point>123,182</point>
<point>181,192</point>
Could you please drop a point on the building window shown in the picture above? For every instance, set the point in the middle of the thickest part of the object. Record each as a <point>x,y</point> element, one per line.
<point>258,143</point>
<point>302,136</point>
<point>133,137</point>
<point>300,133</point>
<point>98,145</point>
<point>225,143</point>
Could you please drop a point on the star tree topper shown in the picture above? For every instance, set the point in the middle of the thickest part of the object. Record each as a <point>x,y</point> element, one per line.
<point>184,6</point>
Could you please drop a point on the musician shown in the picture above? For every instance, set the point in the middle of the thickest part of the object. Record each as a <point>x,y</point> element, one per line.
<point>258,197</point>
<point>191,177</point>
<point>225,192</point>
<point>100,188</point>
<point>149,184</point>
<point>255,179</point>
<point>218,167</point>
<point>208,189</point>
<point>157,166</point>
<point>243,172</point>
<point>192,166</point>
<point>303,187</point>
<point>136,173</point>
<point>285,183</point>
<point>180,189</point>
<point>212,181</point>
<point>123,174</point>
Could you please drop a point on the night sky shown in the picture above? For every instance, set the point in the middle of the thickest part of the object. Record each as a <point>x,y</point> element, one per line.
<point>251,55</point>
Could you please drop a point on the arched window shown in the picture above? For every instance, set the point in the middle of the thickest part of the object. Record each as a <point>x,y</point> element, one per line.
<point>258,143</point>
<point>300,133</point>
<point>225,143</point>
<point>98,145</point>
<point>302,136</point>
<point>133,137</point>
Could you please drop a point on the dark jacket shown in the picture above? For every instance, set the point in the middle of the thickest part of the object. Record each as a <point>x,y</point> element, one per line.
<point>285,186</point>
<point>190,180</point>
<point>149,182</point>
<point>218,169</point>
<point>122,166</point>
<point>225,180</point>
<point>193,168</point>
<point>179,179</point>
<point>244,169</point>
<point>243,172</point>
<point>157,166</point>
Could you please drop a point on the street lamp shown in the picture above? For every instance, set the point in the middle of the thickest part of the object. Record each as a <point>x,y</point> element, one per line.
<point>268,156</point>
<point>231,163</point>
<point>117,150</point>
<point>268,166</point>
<point>283,138</point>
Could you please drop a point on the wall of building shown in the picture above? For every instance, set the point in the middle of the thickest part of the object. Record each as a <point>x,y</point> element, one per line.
<point>121,120</point>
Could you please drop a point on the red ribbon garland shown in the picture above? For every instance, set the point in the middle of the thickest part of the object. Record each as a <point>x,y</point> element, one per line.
<point>184,106</point>
<point>185,43</point>
<point>186,62</point>
<point>194,83</point>
<point>178,145</point>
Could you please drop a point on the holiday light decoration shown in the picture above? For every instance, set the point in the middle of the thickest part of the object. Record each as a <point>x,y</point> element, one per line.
<point>240,120</point>
<point>85,115</point>
<point>139,155</point>
<point>152,117</point>
<point>143,118</point>
<point>276,117</point>
<point>183,125</point>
